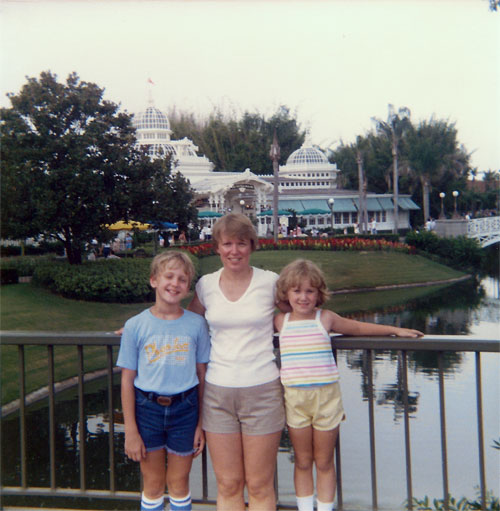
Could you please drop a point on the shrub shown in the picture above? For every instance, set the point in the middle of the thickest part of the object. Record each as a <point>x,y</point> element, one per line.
<point>8,276</point>
<point>104,280</point>
<point>25,265</point>
<point>461,252</point>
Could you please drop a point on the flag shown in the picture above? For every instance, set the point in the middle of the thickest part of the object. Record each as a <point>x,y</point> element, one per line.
<point>151,81</point>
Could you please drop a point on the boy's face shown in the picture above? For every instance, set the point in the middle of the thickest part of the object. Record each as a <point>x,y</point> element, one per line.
<point>303,298</point>
<point>171,284</point>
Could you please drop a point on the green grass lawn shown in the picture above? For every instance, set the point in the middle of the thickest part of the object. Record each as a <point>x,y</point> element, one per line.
<point>26,307</point>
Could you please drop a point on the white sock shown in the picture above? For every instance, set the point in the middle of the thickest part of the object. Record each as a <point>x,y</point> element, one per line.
<point>151,504</point>
<point>324,506</point>
<point>305,503</point>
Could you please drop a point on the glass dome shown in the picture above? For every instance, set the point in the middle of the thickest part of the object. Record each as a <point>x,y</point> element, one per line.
<point>306,156</point>
<point>151,119</point>
<point>159,149</point>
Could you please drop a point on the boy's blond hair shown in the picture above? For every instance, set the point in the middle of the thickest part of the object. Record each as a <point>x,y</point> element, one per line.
<point>295,273</point>
<point>174,258</point>
<point>235,225</point>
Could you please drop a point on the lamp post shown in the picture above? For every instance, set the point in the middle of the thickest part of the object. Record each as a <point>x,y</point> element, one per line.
<point>274,154</point>
<point>441,215</point>
<point>455,195</point>
<point>242,204</point>
<point>331,202</point>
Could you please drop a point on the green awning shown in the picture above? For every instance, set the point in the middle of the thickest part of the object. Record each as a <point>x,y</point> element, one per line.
<point>407,203</point>
<point>269,212</point>
<point>372,204</point>
<point>209,214</point>
<point>386,203</point>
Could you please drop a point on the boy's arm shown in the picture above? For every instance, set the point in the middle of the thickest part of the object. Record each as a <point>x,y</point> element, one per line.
<point>134,446</point>
<point>199,436</point>
<point>335,323</point>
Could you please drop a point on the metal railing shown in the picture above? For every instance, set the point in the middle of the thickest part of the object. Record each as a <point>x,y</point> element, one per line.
<point>80,340</point>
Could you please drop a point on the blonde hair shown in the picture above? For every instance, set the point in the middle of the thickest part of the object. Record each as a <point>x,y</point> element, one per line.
<point>174,258</point>
<point>235,225</point>
<point>295,273</point>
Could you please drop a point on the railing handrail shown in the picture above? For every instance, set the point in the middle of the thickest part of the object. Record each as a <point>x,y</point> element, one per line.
<point>342,342</point>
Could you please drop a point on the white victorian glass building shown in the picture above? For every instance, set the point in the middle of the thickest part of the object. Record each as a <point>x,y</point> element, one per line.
<point>307,183</point>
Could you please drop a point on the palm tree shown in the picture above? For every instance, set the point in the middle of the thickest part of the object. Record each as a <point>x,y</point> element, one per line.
<point>394,128</point>
<point>435,157</point>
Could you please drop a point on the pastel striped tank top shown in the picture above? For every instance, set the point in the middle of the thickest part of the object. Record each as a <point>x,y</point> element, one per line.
<point>306,353</point>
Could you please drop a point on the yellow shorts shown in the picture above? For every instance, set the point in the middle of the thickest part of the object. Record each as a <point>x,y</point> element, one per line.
<point>317,406</point>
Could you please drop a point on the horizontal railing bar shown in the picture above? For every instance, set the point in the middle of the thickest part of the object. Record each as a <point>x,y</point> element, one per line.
<point>426,343</point>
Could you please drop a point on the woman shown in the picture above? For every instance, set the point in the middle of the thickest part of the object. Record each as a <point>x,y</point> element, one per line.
<point>243,411</point>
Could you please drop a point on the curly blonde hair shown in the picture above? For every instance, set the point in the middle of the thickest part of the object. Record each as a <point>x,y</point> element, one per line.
<point>295,273</point>
<point>235,225</point>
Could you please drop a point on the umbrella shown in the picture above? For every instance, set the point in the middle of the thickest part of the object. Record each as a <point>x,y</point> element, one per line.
<point>128,226</point>
<point>167,226</point>
<point>208,214</point>
<point>314,211</point>
<point>281,212</point>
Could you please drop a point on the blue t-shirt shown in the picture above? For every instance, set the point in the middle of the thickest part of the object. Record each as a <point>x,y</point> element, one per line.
<point>164,352</point>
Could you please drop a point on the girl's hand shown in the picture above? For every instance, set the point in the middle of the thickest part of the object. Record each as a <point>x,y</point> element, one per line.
<point>199,441</point>
<point>134,447</point>
<point>408,332</point>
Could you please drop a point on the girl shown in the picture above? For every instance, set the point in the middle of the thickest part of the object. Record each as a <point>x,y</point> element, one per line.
<point>310,377</point>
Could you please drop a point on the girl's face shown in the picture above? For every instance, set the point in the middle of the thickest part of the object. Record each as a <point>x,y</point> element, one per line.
<point>234,252</point>
<point>303,298</point>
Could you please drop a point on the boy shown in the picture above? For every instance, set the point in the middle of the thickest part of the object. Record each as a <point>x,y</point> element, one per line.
<point>163,355</point>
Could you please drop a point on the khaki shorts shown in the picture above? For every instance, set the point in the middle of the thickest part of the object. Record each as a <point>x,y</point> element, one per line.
<point>256,410</point>
<point>317,406</point>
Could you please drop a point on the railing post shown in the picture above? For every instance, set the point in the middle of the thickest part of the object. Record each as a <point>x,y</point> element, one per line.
<point>52,420</point>
<point>81,419</point>
<point>480,433</point>
<point>22,414</point>
<point>371,416</point>
<point>442,414</point>
<point>111,410</point>
<point>409,490</point>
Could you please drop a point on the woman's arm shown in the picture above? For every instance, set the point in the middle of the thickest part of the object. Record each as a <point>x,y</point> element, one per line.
<point>335,323</point>
<point>134,446</point>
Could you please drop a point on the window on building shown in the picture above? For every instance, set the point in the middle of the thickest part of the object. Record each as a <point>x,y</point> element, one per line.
<point>345,218</point>
<point>312,221</point>
<point>321,220</point>
<point>354,218</point>
<point>338,218</point>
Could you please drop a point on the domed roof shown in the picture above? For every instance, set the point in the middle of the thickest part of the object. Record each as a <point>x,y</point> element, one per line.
<point>306,156</point>
<point>151,119</point>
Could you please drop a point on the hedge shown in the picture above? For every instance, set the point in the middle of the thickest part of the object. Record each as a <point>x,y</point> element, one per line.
<point>104,280</point>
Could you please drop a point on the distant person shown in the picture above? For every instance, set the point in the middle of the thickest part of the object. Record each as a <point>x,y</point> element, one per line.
<point>373,226</point>
<point>310,377</point>
<point>182,238</point>
<point>163,354</point>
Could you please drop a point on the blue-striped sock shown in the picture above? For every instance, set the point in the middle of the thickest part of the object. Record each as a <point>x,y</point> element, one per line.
<point>181,504</point>
<point>151,504</point>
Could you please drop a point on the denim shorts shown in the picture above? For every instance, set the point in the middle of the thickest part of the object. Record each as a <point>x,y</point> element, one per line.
<point>167,427</point>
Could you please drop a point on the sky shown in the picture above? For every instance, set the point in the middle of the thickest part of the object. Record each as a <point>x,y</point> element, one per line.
<point>337,64</point>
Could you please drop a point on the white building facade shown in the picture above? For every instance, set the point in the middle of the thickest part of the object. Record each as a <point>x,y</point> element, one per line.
<point>307,183</point>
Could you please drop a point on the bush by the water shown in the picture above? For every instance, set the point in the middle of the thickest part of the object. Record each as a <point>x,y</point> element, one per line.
<point>461,252</point>
<point>9,276</point>
<point>104,280</point>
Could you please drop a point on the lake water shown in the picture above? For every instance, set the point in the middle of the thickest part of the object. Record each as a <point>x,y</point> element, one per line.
<point>469,308</point>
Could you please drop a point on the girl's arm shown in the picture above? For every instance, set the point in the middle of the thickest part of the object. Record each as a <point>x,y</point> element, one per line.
<point>199,436</point>
<point>134,446</point>
<point>196,306</point>
<point>335,323</point>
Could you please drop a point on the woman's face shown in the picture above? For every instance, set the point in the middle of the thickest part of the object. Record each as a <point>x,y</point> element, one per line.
<point>234,252</point>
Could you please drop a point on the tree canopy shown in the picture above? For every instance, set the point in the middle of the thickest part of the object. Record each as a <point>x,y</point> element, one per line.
<point>235,144</point>
<point>69,167</point>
